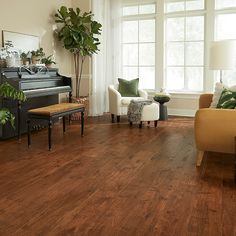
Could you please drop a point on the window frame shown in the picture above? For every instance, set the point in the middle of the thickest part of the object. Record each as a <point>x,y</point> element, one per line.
<point>185,14</point>
<point>139,17</point>
<point>210,12</point>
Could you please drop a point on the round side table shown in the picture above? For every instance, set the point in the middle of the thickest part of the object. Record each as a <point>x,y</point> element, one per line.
<point>161,99</point>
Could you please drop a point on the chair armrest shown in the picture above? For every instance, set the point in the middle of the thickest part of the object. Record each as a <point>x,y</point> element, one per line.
<point>205,100</point>
<point>113,92</point>
<point>143,93</point>
<point>114,100</point>
<point>215,130</point>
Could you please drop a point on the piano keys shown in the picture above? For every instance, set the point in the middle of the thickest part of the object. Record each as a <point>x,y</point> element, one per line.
<point>41,89</point>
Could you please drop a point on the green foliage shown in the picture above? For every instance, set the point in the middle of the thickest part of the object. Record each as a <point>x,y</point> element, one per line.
<point>7,91</point>
<point>38,53</point>
<point>23,56</point>
<point>48,60</point>
<point>5,116</point>
<point>79,34</point>
<point>78,31</point>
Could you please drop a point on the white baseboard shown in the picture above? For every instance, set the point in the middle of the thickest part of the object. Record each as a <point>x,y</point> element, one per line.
<point>181,112</point>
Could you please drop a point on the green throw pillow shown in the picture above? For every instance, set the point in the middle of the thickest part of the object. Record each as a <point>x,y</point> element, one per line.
<point>227,99</point>
<point>128,88</point>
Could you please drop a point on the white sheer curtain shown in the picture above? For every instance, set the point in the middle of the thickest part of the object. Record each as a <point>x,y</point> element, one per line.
<point>105,64</point>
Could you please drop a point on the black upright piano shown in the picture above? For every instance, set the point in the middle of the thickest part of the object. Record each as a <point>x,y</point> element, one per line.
<point>41,87</point>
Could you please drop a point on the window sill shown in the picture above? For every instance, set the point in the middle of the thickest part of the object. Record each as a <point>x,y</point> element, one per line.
<point>181,95</point>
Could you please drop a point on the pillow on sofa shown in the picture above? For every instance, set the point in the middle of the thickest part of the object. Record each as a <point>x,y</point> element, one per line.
<point>128,88</point>
<point>227,99</point>
<point>216,96</point>
<point>219,87</point>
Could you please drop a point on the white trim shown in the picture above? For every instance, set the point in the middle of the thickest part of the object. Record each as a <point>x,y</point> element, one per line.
<point>135,2</point>
<point>185,96</point>
<point>160,46</point>
<point>185,14</point>
<point>178,95</point>
<point>181,112</point>
<point>140,17</point>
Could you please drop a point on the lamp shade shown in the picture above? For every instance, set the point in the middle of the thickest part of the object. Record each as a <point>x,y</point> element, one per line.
<point>222,55</point>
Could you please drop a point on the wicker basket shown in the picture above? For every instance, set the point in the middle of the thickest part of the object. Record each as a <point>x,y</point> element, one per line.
<point>82,100</point>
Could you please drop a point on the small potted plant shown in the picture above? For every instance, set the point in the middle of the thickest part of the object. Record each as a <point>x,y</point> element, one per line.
<point>48,61</point>
<point>10,58</point>
<point>3,55</point>
<point>37,55</point>
<point>24,58</point>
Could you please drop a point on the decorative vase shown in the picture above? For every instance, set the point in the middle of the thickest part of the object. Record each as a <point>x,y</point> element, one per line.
<point>10,61</point>
<point>3,63</point>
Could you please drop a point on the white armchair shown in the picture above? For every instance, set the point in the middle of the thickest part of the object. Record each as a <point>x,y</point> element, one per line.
<point>117,104</point>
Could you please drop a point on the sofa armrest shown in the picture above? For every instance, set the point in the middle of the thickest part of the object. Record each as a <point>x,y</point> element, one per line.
<point>205,100</point>
<point>215,130</point>
<point>143,93</point>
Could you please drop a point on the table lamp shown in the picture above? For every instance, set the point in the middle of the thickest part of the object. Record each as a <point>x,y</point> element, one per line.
<point>222,56</point>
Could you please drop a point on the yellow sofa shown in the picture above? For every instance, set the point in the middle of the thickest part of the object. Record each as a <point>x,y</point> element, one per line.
<point>215,129</point>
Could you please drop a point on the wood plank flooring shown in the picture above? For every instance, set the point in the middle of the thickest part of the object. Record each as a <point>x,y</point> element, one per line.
<point>116,180</point>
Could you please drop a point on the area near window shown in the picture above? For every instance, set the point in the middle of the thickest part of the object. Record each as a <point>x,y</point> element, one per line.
<point>184,33</point>
<point>186,37</point>
<point>138,44</point>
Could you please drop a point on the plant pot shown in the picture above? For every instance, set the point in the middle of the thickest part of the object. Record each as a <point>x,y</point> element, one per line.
<point>162,98</point>
<point>35,60</point>
<point>3,63</point>
<point>10,61</point>
<point>25,61</point>
<point>48,65</point>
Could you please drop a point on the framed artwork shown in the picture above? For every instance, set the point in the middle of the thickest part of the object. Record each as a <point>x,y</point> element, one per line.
<point>22,42</point>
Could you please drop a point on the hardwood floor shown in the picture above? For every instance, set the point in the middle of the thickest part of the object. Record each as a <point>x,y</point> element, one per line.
<point>116,180</point>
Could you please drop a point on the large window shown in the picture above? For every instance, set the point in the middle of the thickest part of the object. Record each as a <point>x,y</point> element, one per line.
<point>167,43</point>
<point>139,44</point>
<point>184,45</point>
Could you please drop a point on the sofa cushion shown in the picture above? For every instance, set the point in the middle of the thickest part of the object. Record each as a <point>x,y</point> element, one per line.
<point>219,87</point>
<point>128,88</point>
<point>227,99</point>
<point>216,96</point>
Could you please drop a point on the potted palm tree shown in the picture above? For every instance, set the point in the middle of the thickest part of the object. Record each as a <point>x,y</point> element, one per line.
<point>7,91</point>
<point>79,34</point>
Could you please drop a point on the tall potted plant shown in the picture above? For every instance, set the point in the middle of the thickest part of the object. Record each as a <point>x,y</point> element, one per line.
<point>7,91</point>
<point>78,32</point>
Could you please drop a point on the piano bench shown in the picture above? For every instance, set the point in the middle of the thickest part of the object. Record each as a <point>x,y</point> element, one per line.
<point>50,113</point>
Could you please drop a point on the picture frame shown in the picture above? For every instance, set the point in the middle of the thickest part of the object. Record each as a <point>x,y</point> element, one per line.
<point>20,41</point>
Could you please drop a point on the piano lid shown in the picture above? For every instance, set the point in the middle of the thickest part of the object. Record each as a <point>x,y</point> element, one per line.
<point>24,73</point>
<point>36,84</point>
<point>46,91</point>
<point>33,71</point>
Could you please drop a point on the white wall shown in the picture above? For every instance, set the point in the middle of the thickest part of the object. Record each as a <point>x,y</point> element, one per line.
<point>37,18</point>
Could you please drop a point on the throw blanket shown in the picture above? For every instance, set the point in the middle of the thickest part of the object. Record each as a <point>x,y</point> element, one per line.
<point>135,109</point>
